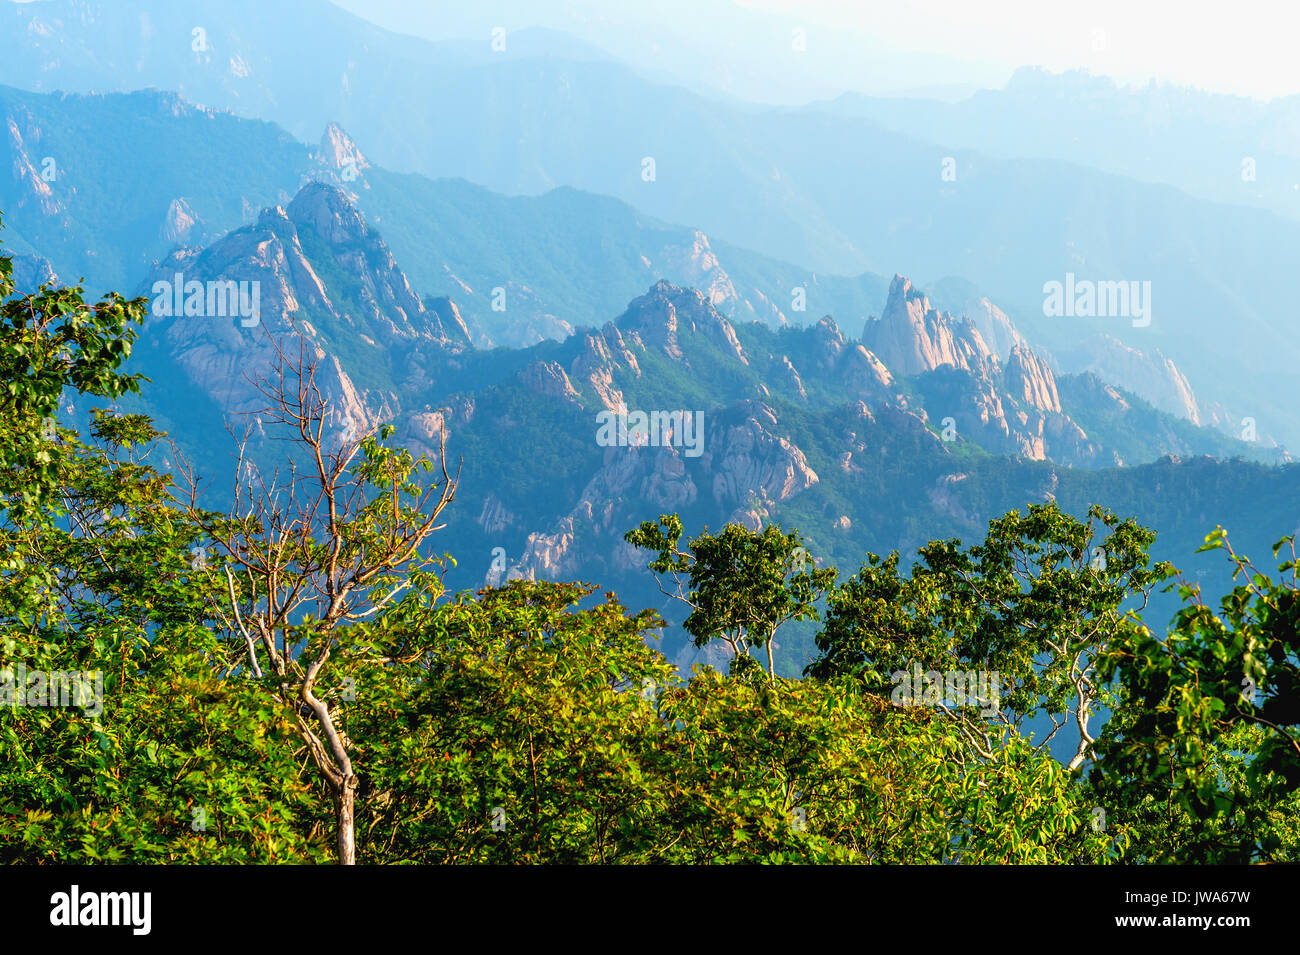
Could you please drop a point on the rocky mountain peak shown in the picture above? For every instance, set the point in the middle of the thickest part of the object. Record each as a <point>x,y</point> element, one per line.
<point>338,151</point>
<point>181,224</point>
<point>666,311</point>
<point>827,344</point>
<point>827,336</point>
<point>693,263</point>
<point>1029,380</point>
<point>911,336</point>
<point>313,268</point>
<point>449,322</point>
<point>995,327</point>
<point>329,212</point>
<point>1149,375</point>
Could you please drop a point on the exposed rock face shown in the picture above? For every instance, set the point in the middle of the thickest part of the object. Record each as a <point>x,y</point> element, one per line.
<point>549,380</point>
<point>181,225</point>
<point>1029,380</point>
<point>944,497</point>
<point>850,364</point>
<point>668,486</point>
<point>23,137</point>
<point>604,353</point>
<point>665,312</point>
<point>690,262</point>
<point>863,373</point>
<point>791,378</point>
<point>747,455</point>
<point>422,431</point>
<point>662,320</point>
<point>450,324</point>
<point>828,345</point>
<point>1149,375</point>
<point>693,265</point>
<point>495,517</point>
<point>550,556</point>
<point>530,322</point>
<point>747,467</point>
<point>337,151</point>
<point>286,257</point>
<point>1024,421</point>
<point>1007,404</point>
<point>997,330</point>
<point>911,337</point>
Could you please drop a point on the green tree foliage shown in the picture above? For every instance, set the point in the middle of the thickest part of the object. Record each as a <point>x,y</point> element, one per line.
<point>96,596</point>
<point>541,732</point>
<point>523,733</point>
<point>1036,603</point>
<point>307,558</point>
<point>1205,741</point>
<point>741,585</point>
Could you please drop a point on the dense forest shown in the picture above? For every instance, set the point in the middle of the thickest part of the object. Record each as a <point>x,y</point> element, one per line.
<point>289,680</point>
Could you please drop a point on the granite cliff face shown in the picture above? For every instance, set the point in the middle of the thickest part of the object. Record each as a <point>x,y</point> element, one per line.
<point>692,263</point>
<point>911,337</point>
<point>860,371</point>
<point>315,269</point>
<point>338,152</point>
<point>748,469</point>
<point>1028,379</point>
<point>657,317</point>
<point>181,225</point>
<point>32,172</point>
<point>994,326</point>
<point>1005,401</point>
<point>1147,374</point>
<point>450,325</point>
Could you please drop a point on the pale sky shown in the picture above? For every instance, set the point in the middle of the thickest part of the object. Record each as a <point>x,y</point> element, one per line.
<point>1249,47</point>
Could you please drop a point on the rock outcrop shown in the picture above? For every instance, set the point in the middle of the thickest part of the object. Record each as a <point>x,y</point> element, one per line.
<point>848,363</point>
<point>181,225</point>
<point>23,138</point>
<point>666,312</point>
<point>748,467</point>
<point>1028,379</point>
<point>313,268</point>
<point>1149,375</point>
<point>338,152</point>
<point>911,337</point>
<point>997,330</point>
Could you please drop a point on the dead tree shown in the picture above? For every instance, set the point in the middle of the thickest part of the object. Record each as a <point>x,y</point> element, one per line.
<point>303,558</point>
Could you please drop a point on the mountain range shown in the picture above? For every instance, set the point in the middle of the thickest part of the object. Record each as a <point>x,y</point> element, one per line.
<point>520,268</point>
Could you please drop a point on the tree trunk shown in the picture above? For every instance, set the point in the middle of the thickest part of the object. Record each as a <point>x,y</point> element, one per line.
<point>345,815</point>
<point>1086,740</point>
